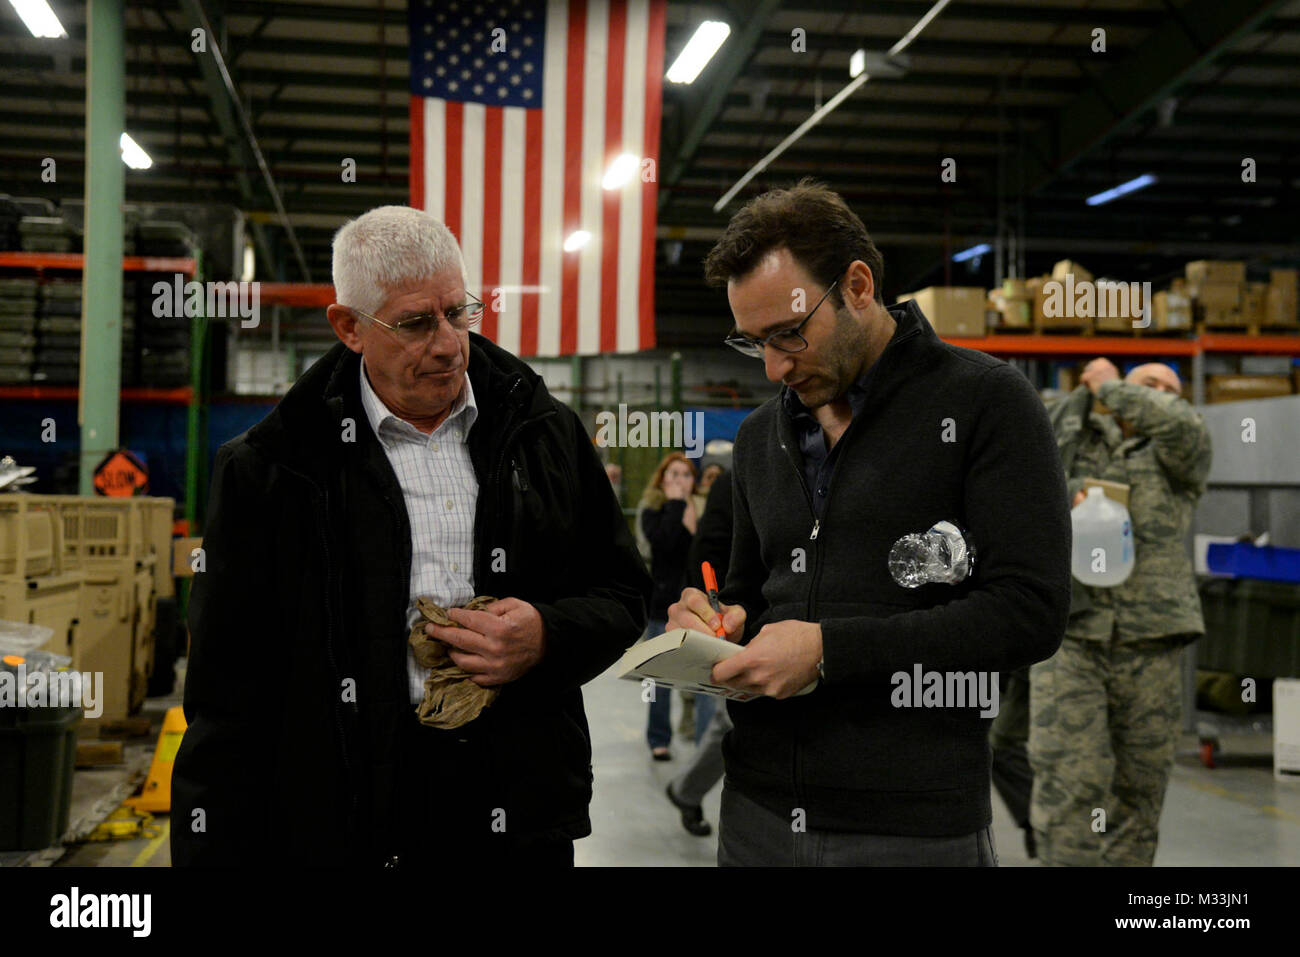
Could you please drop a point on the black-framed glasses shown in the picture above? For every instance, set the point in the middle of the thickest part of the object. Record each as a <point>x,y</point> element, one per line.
<point>421,328</point>
<point>786,340</point>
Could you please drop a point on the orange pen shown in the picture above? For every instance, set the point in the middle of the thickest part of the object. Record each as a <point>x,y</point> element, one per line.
<point>711,586</point>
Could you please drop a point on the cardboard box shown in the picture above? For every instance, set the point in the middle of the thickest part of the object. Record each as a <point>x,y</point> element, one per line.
<point>1066,296</point>
<point>1171,311</point>
<point>1286,728</point>
<point>1011,311</point>
<point>1216,270</point>
<point>1217,295</point>
<point>1285,279</point>
<point>1068,266</point>
<point>1115,491</point>
<point>1253,298</point>
<point>1279,307</point>
<point>181,549</point>
<point>1265,365</point>
<point>1016,289</point>
<point>952,310</point>
<point>1233,388</point>
<point>1216,318</point>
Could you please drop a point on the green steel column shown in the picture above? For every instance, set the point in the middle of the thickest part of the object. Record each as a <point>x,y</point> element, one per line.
<point>196,426</point>
<point>101,281</point>
<point>622,452</point>
<point>575,378</point>
<point>677,382</point>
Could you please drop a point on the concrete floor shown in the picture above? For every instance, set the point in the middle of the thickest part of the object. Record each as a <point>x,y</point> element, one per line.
<point>1236,814</point>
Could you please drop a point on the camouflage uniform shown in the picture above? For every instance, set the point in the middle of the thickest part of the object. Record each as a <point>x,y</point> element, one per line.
<point>1105,710</point>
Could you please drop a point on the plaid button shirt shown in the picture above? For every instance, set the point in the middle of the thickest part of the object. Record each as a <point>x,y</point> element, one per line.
<point>440,490</point>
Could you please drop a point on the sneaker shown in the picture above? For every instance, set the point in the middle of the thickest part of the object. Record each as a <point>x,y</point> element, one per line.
<point>692,815</point>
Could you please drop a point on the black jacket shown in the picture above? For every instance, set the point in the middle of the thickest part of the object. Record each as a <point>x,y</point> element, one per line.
<point>712,541</point>
<point>670,541</point>
<point>946,434</point>
<point>296,688</point>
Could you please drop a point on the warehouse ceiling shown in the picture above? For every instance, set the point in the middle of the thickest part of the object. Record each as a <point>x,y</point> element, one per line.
<point>1035,119</point>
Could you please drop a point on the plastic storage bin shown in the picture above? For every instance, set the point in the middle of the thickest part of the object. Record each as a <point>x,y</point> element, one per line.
<point>38,750</point>
<point>1251,628</point>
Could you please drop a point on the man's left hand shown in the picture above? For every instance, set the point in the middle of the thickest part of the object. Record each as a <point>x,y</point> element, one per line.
<point>496,645</point>
<point>779,661</point>
<point>1097,372</point>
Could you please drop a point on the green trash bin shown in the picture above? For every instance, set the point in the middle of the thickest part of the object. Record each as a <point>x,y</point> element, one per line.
<point>38,751</point>
<point>1252,627</point>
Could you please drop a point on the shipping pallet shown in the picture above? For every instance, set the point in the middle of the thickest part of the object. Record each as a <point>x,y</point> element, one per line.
<point>1081,329</point>
<point>1149,332</point>
<point>1242,328</point>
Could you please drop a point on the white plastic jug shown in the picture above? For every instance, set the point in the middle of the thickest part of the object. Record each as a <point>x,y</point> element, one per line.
<point>1102,555</point>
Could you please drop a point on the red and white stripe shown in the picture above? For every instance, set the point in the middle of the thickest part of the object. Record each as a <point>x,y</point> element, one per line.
<point>512,183</point>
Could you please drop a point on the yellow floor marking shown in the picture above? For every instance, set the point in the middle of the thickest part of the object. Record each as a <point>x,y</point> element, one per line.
<point>1219,791</point>
<point>151,848</point>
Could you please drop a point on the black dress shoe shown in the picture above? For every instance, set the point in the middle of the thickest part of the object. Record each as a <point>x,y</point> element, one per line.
<point>692,815</point>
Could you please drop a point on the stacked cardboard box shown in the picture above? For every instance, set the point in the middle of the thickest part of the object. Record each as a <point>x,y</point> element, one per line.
<point>1216,288</point>
<point>1013,304</point>
<point>1280,299</point>
<point>1056,299</point>
<point>952,310</point>
<point>1233,388</point>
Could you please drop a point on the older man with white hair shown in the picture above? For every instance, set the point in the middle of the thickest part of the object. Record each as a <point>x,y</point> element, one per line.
<point>414,460</point>
<point>1104,710</point>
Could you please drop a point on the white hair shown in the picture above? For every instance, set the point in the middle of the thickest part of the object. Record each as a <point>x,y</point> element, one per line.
<point>386,247</point>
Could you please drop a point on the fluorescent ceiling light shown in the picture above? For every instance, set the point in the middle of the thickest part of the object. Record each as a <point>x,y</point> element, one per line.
<point>698,51</point>
<point>857,63</point>
<point>132,155</point>
<point>971,253</point>
<point>620,171</point>
<point>40,19</point>
<point>1123,189</point>
<point>577,239</point>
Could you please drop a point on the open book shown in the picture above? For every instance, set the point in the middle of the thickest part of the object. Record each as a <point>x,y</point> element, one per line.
<point>684,659</point>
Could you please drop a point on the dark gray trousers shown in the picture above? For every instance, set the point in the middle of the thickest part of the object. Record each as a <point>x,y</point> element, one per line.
<point>749,835</point>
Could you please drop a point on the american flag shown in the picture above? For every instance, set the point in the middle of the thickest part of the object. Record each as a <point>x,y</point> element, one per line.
<point>518,109</point>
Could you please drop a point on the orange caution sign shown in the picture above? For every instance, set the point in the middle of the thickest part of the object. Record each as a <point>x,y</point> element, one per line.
<point>121,475</point>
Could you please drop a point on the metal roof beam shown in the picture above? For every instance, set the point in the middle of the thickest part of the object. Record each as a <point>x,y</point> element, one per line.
<point>707,96</point>
<point>1196,35</point>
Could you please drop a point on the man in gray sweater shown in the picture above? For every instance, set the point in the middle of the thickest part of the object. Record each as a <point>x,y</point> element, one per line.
<point>880,430</point>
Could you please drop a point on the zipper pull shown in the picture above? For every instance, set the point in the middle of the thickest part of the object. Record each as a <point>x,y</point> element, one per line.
<point>817,524</point>
<point>520,482</point>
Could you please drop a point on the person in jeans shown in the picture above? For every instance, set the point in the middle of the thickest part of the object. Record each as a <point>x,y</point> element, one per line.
<point>668,515</point>
<point>712,544</point>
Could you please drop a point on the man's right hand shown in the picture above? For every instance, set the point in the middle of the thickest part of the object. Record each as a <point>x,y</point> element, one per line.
<point>693,611</point>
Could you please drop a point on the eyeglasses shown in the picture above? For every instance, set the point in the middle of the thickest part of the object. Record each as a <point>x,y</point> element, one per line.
<point>420,328</point>
<point>787,340</point>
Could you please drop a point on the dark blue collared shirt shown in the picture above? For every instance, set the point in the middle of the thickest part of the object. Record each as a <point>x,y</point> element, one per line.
<point>818,464</point>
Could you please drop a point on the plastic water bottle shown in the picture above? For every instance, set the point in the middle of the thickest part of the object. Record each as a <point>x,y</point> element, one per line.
<point>1102,555</point>
<point>941,555</point>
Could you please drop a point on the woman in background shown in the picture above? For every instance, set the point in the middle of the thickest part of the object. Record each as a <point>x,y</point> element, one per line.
<point>667,516</point>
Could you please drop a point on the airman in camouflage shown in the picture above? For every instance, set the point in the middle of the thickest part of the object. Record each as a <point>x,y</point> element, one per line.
<point>1105,710</point>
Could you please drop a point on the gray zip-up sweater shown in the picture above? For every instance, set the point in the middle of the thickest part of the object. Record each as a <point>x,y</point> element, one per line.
<point>946,434</point>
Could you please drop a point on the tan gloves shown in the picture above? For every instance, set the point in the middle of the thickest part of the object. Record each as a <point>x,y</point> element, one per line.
<point>451,699</point>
